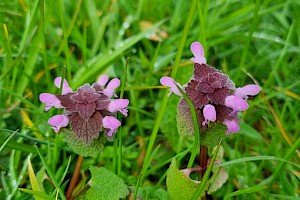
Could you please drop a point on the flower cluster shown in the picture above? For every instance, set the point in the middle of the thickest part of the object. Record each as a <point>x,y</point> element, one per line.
<point>89,110</point>
<point>213,93</point>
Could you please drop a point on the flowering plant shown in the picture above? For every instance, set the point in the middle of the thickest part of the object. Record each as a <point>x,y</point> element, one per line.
<point>216,102</point>
<point>212,93</point>
<point>89,110</point>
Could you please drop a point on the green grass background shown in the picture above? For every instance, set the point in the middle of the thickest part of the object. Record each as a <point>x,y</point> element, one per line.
<point>251,41</point>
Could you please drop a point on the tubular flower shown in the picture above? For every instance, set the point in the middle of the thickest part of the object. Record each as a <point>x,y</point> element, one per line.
<point>90,110</point>
<point>169,82</point>
<point>213,93</point>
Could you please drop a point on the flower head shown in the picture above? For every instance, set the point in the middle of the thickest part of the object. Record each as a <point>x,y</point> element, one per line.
<point>90,110</point>
<point>213,93</point>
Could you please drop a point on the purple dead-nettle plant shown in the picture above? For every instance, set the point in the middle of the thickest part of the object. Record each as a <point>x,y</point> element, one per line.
<point>213,93</point>
<point>90,110</point>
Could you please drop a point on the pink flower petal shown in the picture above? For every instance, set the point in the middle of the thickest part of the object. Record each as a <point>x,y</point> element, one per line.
<point>119,105</point>
<point>232,125</point>
<point>198,52</point>
<point>209,113</point>
<point>169,82</point>
<point>58,121</point>
<point>111,123</point>
<point>102,80</point>
<point>50,100</point>
<point>236,103</point>
<point>247,90</point>
<point>66,89</point>
<point>111,87</point>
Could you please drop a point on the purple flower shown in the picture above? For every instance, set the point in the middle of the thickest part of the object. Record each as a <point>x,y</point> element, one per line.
<point>112,124</point>
<point>58,121</point>
<point>198,52</point>
<point>169,82</point>
<point>247,90</point>
<point>232,125</point>
<point>209,113</point>
<point>90,110</point>
<point>50,100</point>
<point>213,93</point>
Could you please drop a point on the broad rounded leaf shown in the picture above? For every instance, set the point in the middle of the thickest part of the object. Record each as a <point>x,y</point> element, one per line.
<point>213,135</point>
<point>79,147</point>
<point>86,129</point>
<point>106,185</point>
<point>185,124</point>
<point>179,186</point>
<point>219,176</point>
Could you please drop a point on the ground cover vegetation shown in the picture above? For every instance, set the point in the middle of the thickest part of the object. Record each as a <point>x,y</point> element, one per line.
<point>112,131</point>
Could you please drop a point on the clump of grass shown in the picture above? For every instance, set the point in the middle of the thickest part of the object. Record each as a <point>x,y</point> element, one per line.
<point>249,40</point>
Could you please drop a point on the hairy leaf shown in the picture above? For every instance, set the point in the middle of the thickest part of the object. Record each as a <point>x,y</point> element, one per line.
<point>79,147</point>
<point>179,186</point>
<point>213,135</point>
<point>106,185</point>
<point>86,129</point>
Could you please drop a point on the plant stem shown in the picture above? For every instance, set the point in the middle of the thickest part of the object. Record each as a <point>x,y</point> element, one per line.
<point>74,177</point>
<point>203,164</point>
<point>202,161</point>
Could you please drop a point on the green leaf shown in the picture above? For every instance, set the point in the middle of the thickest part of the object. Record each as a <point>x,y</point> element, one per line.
<point>168,124</point>
<point>212,136</point>
<point>250,132</point>
<point>217,180</point>
<point>33,180</point>
<point>185,124</point>
<point>219,176</point>
<point>42,195</point>
<point>179,186</point>
<point>106,185</point>
<point>253,189</point>
<point>79,147</point>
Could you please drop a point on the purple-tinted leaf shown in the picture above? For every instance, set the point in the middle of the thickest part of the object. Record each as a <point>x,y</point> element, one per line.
<point>217,80</point>
<point>223,113</point>
<point>202,71</point>
<point>67,102</point>
<point>98,88</point>
<point>199,99</point>
<point>85,88</point>
<point>86,129</point>
<point>204,87</point>
<point>88,96</point>
<point>218,96</point>
<point>230,84</point>
<point>86,110</point>
<point>185,124</point>
<point>102,104</point>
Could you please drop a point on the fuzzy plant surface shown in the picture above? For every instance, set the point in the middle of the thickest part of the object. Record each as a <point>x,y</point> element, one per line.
<point>85,111</point>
